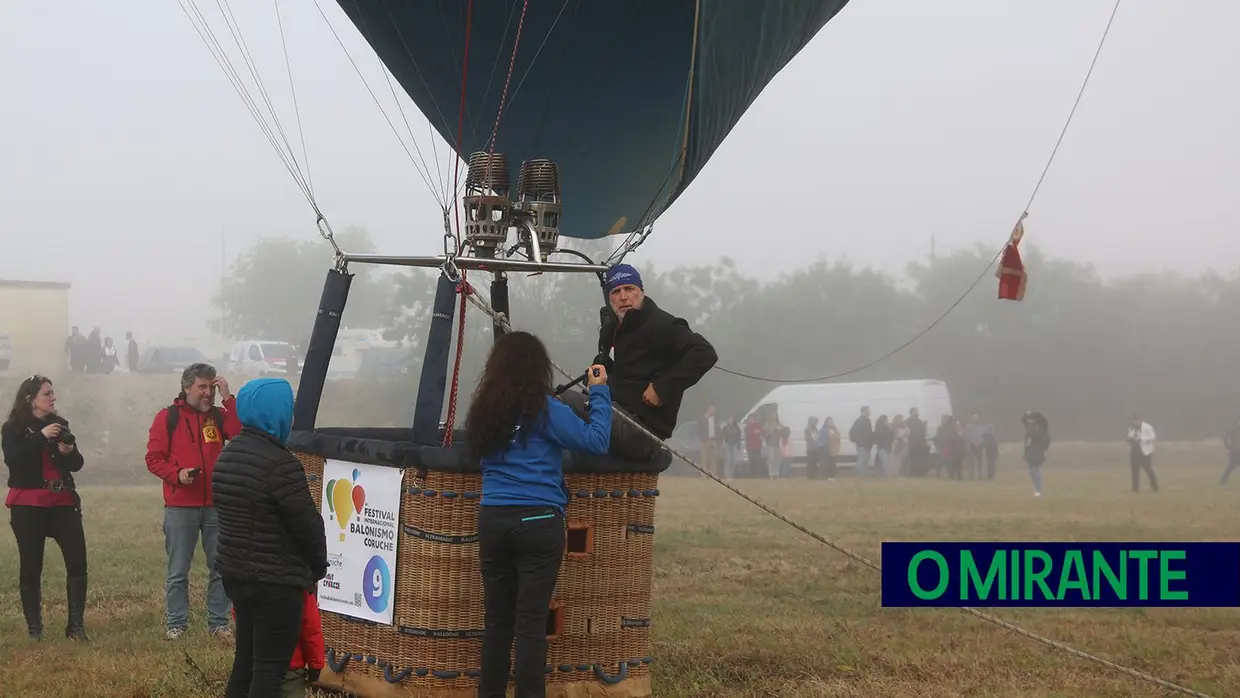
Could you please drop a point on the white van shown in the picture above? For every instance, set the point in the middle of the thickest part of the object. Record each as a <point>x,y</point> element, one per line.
<point>253,357</point>
<point>796,403</point>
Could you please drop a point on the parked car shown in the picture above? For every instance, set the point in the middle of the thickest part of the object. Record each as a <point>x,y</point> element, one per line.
<point>168,359</point>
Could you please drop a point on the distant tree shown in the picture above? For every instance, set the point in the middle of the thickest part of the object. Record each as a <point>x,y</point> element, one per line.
<point>272,289</point>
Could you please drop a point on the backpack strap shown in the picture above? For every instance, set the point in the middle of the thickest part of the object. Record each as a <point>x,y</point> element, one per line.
<point>173,415</point>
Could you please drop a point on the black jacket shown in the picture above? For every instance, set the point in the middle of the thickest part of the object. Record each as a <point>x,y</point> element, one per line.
<point>862,433</point>
<point>23,453</point>
<point>270,530</point>
<point>653,347</point>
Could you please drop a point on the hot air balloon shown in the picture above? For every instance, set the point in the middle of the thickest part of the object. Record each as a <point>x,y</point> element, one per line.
<point>630,99</point>
<point>607,111</point>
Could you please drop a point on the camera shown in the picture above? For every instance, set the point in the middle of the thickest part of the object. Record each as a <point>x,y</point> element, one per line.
<point>66,437</point>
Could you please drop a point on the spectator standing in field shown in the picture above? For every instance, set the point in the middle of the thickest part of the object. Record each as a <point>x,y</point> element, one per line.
<point>731,436</point>
<point>42,456</point>
<point>754,444</point>
<point>272,547</point>
<point>1231,441</point>
<point>898,461</point>
<point>990,446</point>
<point>974,435</point>
<point>1141,452</point>
<point>183,444</point>
<point>131,352</point>
<point>918,444</point>
<point>862,436</point>
<point>812,449</point>
<point>883,439</point>
<point>1037,442</point>
<point>708,436</point>
<point>829,442</point>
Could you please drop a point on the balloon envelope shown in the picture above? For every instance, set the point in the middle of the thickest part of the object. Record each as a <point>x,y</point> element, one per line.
<point>630,97</point>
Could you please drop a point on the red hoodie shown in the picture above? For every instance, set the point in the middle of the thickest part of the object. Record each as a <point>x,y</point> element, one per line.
<point>196,443</point>
<point>309,652</point>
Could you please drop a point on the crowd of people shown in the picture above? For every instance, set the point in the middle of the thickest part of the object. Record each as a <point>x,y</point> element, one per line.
<point>94,353</point>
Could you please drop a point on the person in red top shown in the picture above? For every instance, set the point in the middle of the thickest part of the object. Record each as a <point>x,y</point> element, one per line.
<point>184,441</point>
<point>42,455</point>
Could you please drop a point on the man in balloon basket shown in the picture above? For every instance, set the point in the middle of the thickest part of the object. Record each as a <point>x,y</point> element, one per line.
<point>652,357</point>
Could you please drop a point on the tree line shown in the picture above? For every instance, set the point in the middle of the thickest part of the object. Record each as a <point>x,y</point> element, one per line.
<point>1086,351</point>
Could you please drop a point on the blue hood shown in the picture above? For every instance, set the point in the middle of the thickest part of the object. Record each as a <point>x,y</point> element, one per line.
<point>267,404</point>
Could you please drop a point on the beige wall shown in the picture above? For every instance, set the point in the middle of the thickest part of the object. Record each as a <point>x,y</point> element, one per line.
<point>36,317</point>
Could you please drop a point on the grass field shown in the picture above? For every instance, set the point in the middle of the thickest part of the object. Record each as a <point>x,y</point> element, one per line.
<point>744,605</point>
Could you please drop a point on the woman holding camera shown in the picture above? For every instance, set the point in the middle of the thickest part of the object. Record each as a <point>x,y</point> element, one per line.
<point>518,431</point>
<point>42,456</point>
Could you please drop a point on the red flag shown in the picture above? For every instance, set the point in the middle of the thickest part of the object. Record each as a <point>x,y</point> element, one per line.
<point>1011,273</point>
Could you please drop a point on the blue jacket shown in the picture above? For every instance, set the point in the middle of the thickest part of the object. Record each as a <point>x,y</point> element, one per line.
<point>531,471</point>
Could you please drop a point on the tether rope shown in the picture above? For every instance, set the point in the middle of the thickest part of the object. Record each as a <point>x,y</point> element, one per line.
<point>985,271</point>
<point>502,320</point>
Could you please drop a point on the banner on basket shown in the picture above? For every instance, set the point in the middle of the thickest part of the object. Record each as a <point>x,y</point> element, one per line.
<point>361,517</point>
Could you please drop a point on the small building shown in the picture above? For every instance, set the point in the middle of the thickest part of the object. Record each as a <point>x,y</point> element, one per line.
<point>34,316</point>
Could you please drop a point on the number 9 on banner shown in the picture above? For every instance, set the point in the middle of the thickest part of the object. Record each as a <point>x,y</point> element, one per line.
<point>377,581</point>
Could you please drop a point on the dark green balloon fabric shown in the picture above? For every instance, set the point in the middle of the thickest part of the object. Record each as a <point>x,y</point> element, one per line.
<point>630,97</point>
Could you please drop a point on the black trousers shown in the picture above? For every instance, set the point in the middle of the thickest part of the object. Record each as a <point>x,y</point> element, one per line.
<point>813,457</point>
<point>1138,461</point>
<point>520,550</point>
<point>268,625</point>
<point>32,526</point>
<point>626,441</point>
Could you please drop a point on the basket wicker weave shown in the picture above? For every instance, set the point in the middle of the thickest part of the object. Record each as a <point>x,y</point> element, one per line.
<point>600,610</point>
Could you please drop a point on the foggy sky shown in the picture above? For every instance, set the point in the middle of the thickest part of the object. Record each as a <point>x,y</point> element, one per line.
<point>127,160</point>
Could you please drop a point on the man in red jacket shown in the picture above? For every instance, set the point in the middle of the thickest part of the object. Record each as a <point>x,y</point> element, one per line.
<point>184,441</point>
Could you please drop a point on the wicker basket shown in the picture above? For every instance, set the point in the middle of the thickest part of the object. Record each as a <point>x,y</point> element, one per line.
<point>598,623</point>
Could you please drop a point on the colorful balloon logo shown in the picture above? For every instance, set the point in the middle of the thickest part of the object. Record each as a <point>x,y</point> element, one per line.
<point>344,499</point>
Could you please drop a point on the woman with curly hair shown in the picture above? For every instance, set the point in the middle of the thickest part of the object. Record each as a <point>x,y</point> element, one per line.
<point>518,431</point>
<point>42,455</point>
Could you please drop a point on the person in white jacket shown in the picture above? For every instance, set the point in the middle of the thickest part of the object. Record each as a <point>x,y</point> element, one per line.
<point>1141,452</point>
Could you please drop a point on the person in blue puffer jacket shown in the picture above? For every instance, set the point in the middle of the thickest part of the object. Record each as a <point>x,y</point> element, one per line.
<point>517,430</point>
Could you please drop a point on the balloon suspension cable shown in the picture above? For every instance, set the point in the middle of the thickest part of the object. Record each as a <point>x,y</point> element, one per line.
<point>485,307</point>
<point>632,242</point>
<point>990,266</point>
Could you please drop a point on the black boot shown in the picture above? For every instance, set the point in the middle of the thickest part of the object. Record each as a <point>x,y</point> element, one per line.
<point>76,589</point>
<point>32,607</point>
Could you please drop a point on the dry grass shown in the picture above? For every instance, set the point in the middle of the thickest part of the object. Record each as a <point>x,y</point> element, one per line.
<point>745,606</point>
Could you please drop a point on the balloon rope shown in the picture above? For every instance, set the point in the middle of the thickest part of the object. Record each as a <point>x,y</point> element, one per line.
<point>512,62</point>
<point>450,422</point>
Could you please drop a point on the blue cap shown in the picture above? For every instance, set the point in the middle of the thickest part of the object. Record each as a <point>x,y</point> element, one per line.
<point>623,275</point>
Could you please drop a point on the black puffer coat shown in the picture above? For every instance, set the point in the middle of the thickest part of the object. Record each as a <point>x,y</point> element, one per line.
<point>270,530</point>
